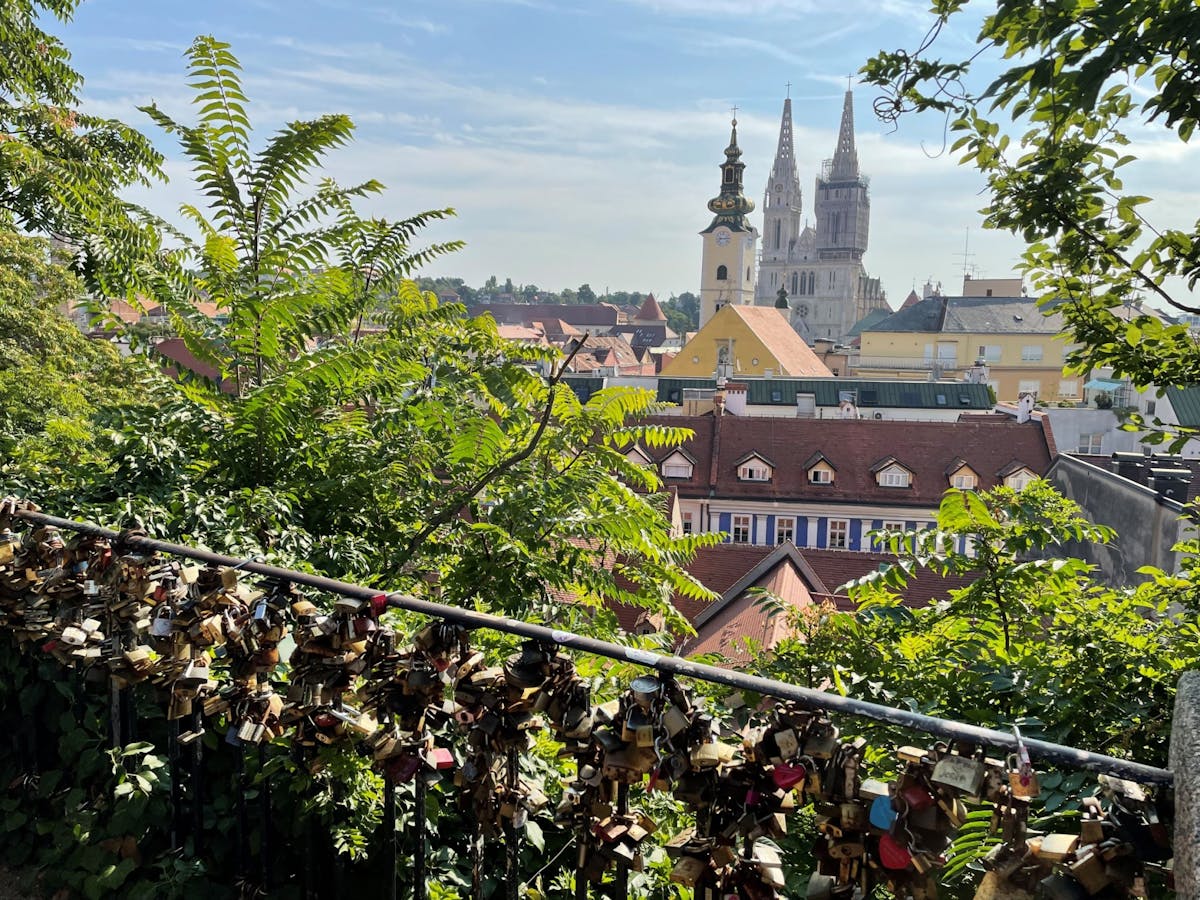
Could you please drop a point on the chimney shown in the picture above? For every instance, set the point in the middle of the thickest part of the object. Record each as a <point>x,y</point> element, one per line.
<point>736,395</point>
<point>1170,483</point>
<point>1128,465</point>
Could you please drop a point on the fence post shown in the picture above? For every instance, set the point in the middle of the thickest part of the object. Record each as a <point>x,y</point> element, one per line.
<point>1185,763</point>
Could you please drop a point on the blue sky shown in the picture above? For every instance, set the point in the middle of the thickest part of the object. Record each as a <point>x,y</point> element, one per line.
<point>577,139</point>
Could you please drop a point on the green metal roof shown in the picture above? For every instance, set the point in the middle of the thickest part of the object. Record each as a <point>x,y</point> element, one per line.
<point>828,391</point>
<point>1186,403</point>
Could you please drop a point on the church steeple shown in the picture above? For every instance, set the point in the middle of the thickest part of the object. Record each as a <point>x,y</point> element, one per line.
<point>845,157</point>
<point>731,205</point>
<point>782,198</point>
<point>842,201</point>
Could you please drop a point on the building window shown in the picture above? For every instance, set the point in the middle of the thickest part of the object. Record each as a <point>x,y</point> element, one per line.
<point>1031,353</point>
<point>812,282</point>
<point>795,289</point>
<point>1019,481</point>
<point>820,476</point>
<point>964,481</point>
<point>895,477</point>
<point>688,524</point>
<point>677,469</point>
<point>747,273</point>
<point>785,530</point>
<point>722,273</point>
<point>990,353</point>
<point>1030,386</point>
<point>754,470</point>
<point>1091,443</point>
<point>839,534</point>
<point>741,529</point>
<point>1150,407</point>
<point>1068,388</point>
<point>729,175</point>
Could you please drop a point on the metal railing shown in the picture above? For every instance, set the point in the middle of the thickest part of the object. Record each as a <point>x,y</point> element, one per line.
<point>944,728</point>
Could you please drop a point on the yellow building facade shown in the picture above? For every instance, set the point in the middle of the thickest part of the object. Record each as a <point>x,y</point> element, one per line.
<point>945,337</point>
<point>746,341</point>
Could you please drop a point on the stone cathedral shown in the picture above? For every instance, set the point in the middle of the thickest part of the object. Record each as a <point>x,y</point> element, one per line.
<point>818,267</point>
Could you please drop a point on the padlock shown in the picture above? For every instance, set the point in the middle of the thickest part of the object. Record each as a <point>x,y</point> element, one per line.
<point>688,871</point>
<point>960,773</point>
<point>1062,887</point>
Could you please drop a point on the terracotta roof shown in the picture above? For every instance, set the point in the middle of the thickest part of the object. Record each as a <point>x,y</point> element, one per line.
<point>910,300</point>
<point>836,567</point>
<point>798,577</point>
<point>852,447</point>
<point>181,358</point>
<point>795,357</point>
<point>521,333</point>
<point>650,311</point>
<point>583,315</point>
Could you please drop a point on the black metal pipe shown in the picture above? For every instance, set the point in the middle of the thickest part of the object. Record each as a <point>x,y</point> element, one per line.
<point>264,843</point>
<point>389,823</point>
<point>674,665</point>
<point>420,823</point>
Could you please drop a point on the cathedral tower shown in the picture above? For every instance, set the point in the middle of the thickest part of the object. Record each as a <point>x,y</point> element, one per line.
<point>728,272</point>
<point>781,200</point>
<point>816,269</point>
<point>842,204</point>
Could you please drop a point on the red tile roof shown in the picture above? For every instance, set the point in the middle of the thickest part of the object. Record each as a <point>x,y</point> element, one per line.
<point>852,447</point>
<point>650,311</point>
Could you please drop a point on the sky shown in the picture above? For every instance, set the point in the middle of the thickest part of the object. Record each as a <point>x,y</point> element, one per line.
<point>578,140</point>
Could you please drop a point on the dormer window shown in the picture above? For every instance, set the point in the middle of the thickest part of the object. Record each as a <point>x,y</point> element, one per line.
<point>754,468</point>
<point>962,476</point>
<point>890,473</point>
<point>678,465</point>
<point>1016,475</point>
<point>820,470</point>
<point>639,457</point>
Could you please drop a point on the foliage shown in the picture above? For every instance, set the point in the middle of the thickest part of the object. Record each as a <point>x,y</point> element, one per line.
<point>56,385</point>
<point>60,169</point>
<point>1031,641</point>
<point>424,453</point>
<point>1076,80</point>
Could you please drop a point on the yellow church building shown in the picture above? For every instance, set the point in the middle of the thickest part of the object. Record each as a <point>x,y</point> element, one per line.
<point>741,341</point>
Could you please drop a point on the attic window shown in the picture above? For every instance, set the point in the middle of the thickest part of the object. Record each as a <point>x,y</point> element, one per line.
<point>1019,479</point>
<point>964,480</point>
<point>754,469</point>
<point>894,476</point>
<point>677,466</point>
<point>964,399</point>
<point>941,399</point>
<point>820,475</point>
<point>776,396</point>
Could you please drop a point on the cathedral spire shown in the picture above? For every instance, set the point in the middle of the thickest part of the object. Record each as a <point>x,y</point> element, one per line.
<point>731,205</point>
<point>845,157</point>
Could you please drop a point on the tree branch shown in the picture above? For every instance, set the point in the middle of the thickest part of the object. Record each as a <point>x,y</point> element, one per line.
<point>456,503</point>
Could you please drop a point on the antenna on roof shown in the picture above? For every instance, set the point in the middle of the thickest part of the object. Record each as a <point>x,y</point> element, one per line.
<point>967,256</point>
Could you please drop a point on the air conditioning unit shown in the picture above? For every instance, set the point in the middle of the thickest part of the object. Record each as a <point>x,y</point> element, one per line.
<point>878,415</point>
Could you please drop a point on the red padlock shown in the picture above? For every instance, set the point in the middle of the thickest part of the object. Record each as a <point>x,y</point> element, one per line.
<point>892,854</point>
<point>787,775</point>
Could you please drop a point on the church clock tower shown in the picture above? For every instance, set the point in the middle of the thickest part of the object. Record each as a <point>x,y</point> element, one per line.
<point>729,267</point>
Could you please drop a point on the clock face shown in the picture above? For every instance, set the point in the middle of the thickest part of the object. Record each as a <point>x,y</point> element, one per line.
<point>723,238</point>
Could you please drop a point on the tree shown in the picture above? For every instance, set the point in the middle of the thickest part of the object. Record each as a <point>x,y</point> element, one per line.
<point>431,458</point>
<point>1032,641</point>
<point>55,383</point>
<point>60,169</point>
<point>1076,78</point>
<point>586,294</point>
<point>683,313</point>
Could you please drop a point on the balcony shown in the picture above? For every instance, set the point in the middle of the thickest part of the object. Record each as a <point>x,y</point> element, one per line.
<point>904,363</point>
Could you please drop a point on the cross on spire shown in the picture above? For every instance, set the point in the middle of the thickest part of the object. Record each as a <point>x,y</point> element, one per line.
<point>849,78</point>
<point>735,109</point>
<point>789,90</point>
